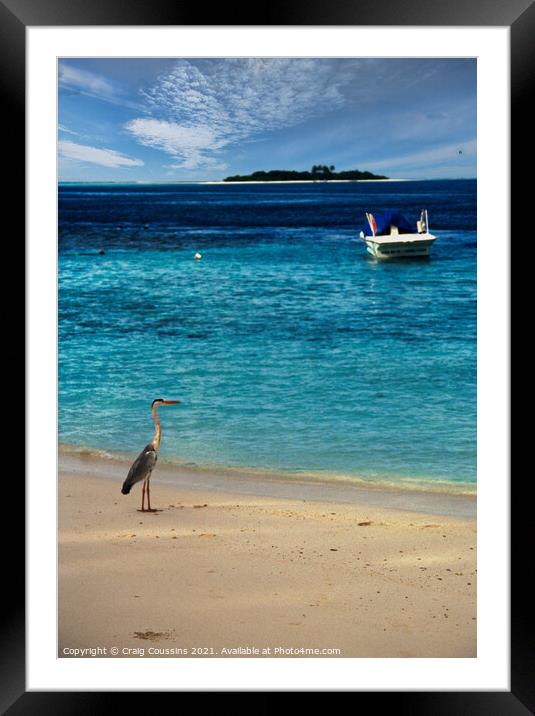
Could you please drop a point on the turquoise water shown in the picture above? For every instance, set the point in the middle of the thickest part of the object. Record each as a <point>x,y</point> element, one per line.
<point>291,349</point>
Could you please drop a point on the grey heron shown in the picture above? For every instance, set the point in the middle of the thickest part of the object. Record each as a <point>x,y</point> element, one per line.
<point>143,465</point>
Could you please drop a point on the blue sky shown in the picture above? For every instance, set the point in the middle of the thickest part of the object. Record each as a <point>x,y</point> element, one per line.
<point>205,119</point>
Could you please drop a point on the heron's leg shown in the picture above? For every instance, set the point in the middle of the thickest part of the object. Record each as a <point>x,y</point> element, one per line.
<point>148,493</point>
<point>143,497</point>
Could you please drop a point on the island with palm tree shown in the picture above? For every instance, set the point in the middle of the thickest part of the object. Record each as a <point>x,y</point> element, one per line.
<point>319,172</point>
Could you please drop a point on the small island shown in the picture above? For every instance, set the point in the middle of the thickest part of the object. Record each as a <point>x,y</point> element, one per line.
<point>318,172</point>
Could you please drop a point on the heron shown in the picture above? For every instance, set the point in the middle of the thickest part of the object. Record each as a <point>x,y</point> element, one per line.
<point>143,465</point>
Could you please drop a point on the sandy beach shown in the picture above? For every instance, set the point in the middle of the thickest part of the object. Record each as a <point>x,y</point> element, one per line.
<point>231,567</point>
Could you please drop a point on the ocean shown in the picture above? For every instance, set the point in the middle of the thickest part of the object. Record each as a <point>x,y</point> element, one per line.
<point>292,350</point>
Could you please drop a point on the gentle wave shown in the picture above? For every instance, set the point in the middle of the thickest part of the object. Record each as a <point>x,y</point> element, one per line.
<point>399,483</point>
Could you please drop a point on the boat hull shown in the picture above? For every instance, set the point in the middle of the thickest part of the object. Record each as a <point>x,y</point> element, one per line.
<point>400,247</point>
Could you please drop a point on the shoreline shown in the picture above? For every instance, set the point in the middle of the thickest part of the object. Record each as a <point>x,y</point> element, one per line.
<point>264,483</point>
<point>216,570</point>
<point>304,181</point>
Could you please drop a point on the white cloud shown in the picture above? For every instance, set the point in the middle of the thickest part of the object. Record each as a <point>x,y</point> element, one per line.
<point>198,109</point>
<point>181,142</point>
<point>93,155</point>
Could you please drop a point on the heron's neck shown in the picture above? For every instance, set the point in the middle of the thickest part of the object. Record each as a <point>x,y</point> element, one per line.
<point>157,429</point>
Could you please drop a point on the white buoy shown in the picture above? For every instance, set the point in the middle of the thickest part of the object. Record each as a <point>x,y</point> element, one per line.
<point>198,256</point>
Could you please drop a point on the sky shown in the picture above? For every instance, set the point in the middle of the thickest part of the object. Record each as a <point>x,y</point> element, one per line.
<point>153,120</point>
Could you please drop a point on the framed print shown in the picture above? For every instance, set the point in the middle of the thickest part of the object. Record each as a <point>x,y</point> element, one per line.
<point>276,254</point>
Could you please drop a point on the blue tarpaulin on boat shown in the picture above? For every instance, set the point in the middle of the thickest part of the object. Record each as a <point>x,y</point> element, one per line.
<point>387,219</point>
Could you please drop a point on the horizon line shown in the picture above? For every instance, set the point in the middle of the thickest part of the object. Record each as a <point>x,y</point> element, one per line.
<point>234,183</point>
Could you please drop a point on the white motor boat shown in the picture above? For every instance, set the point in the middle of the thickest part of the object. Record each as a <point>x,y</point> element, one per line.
<point>391,236</point>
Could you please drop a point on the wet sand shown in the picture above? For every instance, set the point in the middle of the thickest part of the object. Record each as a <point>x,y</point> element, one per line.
<point>232,566</point>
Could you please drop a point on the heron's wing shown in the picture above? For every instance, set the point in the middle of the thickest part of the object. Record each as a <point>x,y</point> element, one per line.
<point>142,467</point>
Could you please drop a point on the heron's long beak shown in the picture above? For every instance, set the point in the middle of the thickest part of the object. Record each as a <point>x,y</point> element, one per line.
<point>171,402</point>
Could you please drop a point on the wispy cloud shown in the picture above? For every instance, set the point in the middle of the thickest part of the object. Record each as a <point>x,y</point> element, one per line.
<point>85,81</point>
<point>93,155</point>
<point>428,157</point>
<point>197,110</point>
<point>61,128</point>
<point>93,85</point>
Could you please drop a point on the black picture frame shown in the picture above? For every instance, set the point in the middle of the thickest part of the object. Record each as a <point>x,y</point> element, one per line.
<point>15,17</point>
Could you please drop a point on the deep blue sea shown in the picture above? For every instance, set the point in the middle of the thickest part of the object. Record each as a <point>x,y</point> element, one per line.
<point>291,349</point>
